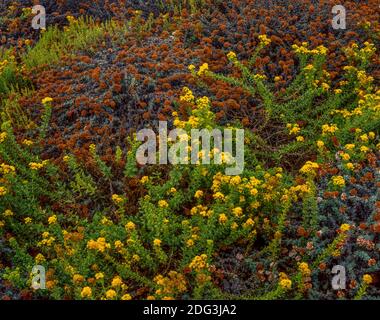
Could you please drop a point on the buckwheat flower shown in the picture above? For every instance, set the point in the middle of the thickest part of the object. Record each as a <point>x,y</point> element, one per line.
<point>350,166</point>
<point>86,292</point>
<point>300,138</point>
<point>264,39</point>
<point>52,219</point>
<point>222,218</point>
<point>309,167</point>
<point>364,137</point>
<point>163,204</point>
<point>371,135</point>
<point>238,211</point>
<point>190,242</point>
<point>28,220</point>
<point>99,275</point>
<point>345,227</point>
<point>231,56</point>
<point>136,257</point>
<point>35,165</point>
<point>219,196</point>
<point>46,100</point>
<point>325,86</point>
<point>39,258</point>
<point>27,142</point>
<point>199,263</point>
<point>304,268</point>
<point>349,146</point>
<point>117,199</point>
<point>253,191</point>
<point>286,284</point>
<point>338,181</point>
<point>191,67</point>
<point>116,282</point>
<point>198,194</point>
<point>77,278</point>
<point>157,242</point>
<point>234,181</point>
<point>118,244</point>
<point>144,179</point>
<point>173,190</point>
<point>126,297</point>
<point>3,136</point>
<point>249,223</point>
<point>364,149</point>
<point>8,213</point>
<point>367,279</point>
<point>320,144</point>
<point>203,69</point>
<point>130,226</point>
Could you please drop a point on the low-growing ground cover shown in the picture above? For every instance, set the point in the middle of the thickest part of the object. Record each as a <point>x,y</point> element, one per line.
<point>74,199</point>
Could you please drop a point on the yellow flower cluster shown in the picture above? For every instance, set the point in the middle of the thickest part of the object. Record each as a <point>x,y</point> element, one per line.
<point>304,268</point>
<point>3,136</point>
<point>329,129</point>
<point>37,165</point>
<point>47,239</point>
<point>157,242</point>
<point>302,49</point>
<point>52,219</point>
<point>100,244</point>
<point>345,227</point>
<point>86,292</point>
<point>201,210</point>
<point>203,69</point>
<point>232,56</point>
<point>293,128</point>
<point>222,218</point>
<point>187,95</point>
<point>173,284</point>
<point>130,226</point>
<point>3,191</point>
<point>163,204</point>
<point>338,181</point>
<point>6,169</point>
<point>259,77</point>
<point>117,199</point>
<point>309,168</point>
<point>367,279</point>
<point>264,40</point>
<point>47,100</point>
<point>199,263</point>
<point>285,282</point>
<point>3,64</point>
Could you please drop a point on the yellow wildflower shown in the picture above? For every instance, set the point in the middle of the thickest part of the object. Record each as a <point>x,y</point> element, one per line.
<point>367,279</point>
<point>52,219</point>
<point>157,242</point>
<point>163,204</point>
<point>46,100</point>
<point>86,292</point>
<point>338,181</point>
<point>116,282</point>
<point>222,218</point>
